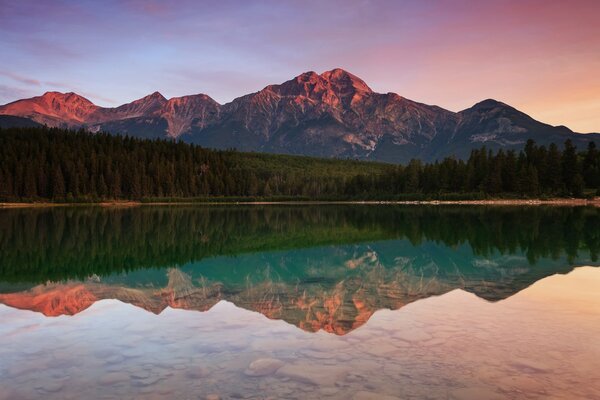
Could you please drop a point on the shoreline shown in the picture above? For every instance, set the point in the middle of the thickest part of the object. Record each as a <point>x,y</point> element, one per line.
<point>496,202</point>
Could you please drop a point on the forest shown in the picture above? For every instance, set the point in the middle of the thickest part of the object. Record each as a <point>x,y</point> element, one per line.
<point>51,164</point>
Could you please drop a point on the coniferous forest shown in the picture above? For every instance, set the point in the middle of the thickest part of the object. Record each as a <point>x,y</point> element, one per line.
<point>39,164</point>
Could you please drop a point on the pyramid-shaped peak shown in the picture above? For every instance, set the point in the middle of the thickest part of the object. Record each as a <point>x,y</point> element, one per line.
<point>337,73</point>
<point>144,106</point>
<point>155,96</point>
<point>488,104</point>
<point>153,99</point>
<point>342,78</point>
<point>191,101</point>
<point>307,76</point>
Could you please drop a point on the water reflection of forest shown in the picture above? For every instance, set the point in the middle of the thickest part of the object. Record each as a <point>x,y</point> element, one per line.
<point>61,243</point>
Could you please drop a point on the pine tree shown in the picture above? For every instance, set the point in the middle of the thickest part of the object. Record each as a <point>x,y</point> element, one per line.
<point>577,186</point>
<point>58,183</point>
<point>6,185</point>
<point>412,176</point>
<point>252,185</point>
<point>552,176</point>
<point>532,188</point>
<point>29,185</point>
<point>509,173</point>
<point>267,192</point>
<point>591,167</point>
<point>570,168</point>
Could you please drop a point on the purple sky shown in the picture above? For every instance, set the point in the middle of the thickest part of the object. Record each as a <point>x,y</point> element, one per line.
<point>540,56</point>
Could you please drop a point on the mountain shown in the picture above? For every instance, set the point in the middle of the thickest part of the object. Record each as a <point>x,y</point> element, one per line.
<point>333,114</point>
<point>150,116</point>
<point>53,109</point>
<point>497,125</point>
<point>156,117</point>
<point>10,121</point>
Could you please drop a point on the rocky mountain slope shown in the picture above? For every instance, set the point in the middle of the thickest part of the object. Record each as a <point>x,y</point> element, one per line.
<point>333,114</point>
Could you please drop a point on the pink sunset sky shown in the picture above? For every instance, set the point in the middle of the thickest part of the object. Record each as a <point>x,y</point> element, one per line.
<point>542,57</point>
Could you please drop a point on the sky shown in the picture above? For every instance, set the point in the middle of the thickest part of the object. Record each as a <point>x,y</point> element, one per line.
<point>542,57</point>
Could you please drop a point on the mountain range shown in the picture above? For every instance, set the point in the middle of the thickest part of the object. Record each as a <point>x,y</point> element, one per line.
<point>333,114</point>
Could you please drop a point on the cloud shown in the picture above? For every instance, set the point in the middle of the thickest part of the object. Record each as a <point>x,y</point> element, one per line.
<point>49,49</point>
<point>21,79</point>
<point>10,93</point>
<point>95,97</point>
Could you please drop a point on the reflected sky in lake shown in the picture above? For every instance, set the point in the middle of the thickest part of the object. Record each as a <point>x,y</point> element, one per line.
<point>300,302</point>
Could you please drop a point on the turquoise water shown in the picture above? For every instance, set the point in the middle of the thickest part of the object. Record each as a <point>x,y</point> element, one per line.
<point>328,301</point>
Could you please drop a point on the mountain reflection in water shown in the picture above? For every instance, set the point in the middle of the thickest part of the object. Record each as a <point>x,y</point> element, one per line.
<point>316,267</point>
<point>538,344</point>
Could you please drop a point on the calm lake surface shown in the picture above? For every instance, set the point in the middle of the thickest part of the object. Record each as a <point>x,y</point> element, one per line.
<point>300,302</point>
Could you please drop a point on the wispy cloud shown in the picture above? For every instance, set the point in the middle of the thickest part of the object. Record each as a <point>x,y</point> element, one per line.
<point>94,97</point>
<point>21,79</point>
<point>11,93</point>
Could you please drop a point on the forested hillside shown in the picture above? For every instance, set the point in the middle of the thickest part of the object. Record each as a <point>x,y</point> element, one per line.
<point>61,165</point>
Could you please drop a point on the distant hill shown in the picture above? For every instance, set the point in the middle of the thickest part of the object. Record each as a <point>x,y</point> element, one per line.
<point>333,114</point>
<point>10,121</point>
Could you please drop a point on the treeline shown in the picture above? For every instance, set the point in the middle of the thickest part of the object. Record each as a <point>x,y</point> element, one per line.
<point>533,172</point>
<point>61,165</point>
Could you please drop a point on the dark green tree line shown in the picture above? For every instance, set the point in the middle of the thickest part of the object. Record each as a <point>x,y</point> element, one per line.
<point>61,165</point>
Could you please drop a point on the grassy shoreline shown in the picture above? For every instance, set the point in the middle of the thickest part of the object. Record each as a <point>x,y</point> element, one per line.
<point>496,202</point>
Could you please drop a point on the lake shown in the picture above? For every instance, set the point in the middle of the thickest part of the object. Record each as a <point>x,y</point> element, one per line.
<point>300,302</point>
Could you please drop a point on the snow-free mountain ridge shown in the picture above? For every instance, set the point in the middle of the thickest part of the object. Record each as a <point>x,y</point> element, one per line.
<point>333,114</point>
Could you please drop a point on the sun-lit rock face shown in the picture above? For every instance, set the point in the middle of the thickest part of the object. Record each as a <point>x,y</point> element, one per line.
<point>335,108</point>
<point>333,88</point>
<point>71,110</point>
<point>307,110</point>
<point>333,114</point>
<point>146,106</point>
<point>187,112</point>
<point>53,109</point>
